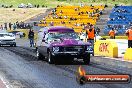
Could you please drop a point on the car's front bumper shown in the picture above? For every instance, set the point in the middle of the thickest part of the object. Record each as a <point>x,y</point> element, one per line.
<point>7,43</point>
<point>71,54</point>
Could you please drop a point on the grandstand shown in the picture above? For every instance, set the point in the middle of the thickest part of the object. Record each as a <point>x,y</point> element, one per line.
<point>73,16</point>
<point>120,19</point>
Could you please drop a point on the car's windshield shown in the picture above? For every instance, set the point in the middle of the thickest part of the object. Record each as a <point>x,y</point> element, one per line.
<point>57,35</point>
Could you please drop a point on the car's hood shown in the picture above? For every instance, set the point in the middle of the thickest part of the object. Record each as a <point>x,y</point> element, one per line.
<point>69,42</point>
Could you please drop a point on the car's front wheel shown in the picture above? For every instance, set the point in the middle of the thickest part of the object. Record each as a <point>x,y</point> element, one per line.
<point>86,58</point>
<point>14,45</point>
<point>51,58</point>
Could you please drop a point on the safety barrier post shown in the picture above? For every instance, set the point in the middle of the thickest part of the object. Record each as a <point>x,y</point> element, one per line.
<point>128,54</point>
<point>106,48</point>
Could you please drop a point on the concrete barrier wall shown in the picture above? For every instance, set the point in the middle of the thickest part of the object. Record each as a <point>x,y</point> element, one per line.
<point>128,54</point>
<point>106,48</point>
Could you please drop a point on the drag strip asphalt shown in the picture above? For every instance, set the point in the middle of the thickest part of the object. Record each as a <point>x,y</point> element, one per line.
<point>21,68</point>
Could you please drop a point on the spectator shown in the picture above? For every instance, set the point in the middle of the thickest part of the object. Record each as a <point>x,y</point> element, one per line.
<point>14,26</point>
<point>65,17</point>
<point>71,18</point>
<point>112,19</point>
<point>53,11</point>
<point>81,4</point>
<point>31,37</point>
<point>82,12</point>
<point>90,35</point>
<point>101,12</point>
<point>44,19</point>
<point>106,5</point>
<point>56,16</point>
<point>58,6</point>
<point>21,34</point>
<point>14,10</point>
<point>10,25</point>
<point>10,6</point>
<point>5,27</point>
<point>129,34</point>
<point>97,31</point>
<point>2,6</point>
<point>60,17</point>
<point>76,9</point>
<point>1,27</point>
<point>119,26</point>
<point>43,6</point>
<point>28,26</point>
<point>130,23</point>
<point>112,33</point>
<point>62,22</point>
<point>51,23</point>
<point>61,12</point>
<point>45,22</point>
<point>37,6</point>
<point>79,13</point>
<point>76,24</point>
<point>17,24</point>
<point>124,11</point>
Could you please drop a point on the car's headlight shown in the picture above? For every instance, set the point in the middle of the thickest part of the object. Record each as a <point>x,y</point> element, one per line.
<point>55,49</point>
<point>89,48</point>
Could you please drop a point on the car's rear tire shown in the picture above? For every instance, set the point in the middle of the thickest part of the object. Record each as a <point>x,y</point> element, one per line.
<point>39,55</point>
<point>86,59</point>
<point>51,58</point>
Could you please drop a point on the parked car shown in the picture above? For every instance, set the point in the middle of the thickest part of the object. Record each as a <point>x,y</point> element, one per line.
<point>55,43</point>
<point>22,5</point>
<point>7,39</point>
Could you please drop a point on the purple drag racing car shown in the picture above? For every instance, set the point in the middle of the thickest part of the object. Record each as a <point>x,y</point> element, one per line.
<point>61,43</point>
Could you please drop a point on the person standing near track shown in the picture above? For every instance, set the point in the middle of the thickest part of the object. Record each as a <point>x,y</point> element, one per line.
<point>129,34</point>
<point>31,37</point>
<point>112,33</point>
<point>90,34</point>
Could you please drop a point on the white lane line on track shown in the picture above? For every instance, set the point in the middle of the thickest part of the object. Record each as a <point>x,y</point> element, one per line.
<point>5,82</point>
